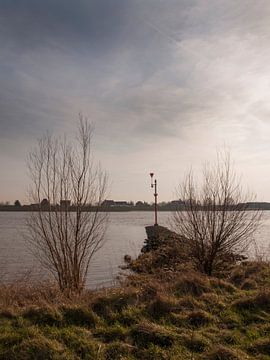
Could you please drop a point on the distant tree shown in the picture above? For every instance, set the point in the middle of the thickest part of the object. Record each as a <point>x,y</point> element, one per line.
<point>45,203</point>
<point>17,203</point>
<point>163,204</point>
<point>142,204</point>
<point>146,204</point>
<point>65,242</point>
<point>214,219</point>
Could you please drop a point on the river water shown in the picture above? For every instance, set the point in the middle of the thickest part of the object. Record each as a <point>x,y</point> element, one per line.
<point>125,235</point>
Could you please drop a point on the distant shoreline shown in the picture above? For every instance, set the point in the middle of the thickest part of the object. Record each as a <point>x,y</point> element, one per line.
<point>167,207</point>
<point>90,210</point>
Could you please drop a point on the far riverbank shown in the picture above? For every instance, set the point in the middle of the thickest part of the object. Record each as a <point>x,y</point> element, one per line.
<point>169,206</point>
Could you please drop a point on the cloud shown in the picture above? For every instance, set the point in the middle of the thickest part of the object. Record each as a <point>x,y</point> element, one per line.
<point>63,23</point>
<point>158,78</point>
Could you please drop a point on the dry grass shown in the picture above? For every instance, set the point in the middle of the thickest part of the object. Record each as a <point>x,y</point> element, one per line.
<point>23,294</point>
<point>180,315</point>
<point>225,353</point>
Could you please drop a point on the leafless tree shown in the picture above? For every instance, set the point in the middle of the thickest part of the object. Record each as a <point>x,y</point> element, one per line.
<point>67,227</point>
<point>214,217</point>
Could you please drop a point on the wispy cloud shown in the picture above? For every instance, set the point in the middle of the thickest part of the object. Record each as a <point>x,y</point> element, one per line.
<point>164,82</point>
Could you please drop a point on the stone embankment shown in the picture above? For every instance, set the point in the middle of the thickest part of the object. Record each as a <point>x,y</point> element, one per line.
<point>163,249</point>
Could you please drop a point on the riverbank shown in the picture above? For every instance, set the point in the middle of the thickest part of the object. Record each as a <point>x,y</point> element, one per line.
<point>160,312</point>
<point>169,206</point>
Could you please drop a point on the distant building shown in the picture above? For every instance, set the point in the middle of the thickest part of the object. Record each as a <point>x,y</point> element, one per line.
<point>177,202</point>
<point>107,203</point>
<point>112,203</point>
<point>121,203</point>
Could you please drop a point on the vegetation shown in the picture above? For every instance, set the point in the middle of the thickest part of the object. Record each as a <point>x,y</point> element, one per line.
<point>180,314</point>
<point>188,296</point>
<point>216,224</point>
<point>63,174</point>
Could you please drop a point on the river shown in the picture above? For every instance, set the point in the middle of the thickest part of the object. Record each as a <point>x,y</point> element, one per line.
<point>125,235</point>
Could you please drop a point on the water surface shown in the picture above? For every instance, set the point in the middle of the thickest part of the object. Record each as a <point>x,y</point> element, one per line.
<point>125,235</point>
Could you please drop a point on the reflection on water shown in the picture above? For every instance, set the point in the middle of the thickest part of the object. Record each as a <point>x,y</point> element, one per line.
<point>125,235</point>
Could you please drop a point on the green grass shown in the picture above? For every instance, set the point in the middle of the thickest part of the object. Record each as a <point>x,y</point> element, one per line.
<point>182,315</point>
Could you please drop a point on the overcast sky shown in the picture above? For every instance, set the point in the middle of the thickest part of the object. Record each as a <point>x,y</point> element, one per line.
<point>166,83</point>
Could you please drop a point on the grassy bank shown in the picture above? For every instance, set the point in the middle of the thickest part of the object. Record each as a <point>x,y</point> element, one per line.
<point>166,310</point>
<point>169,315</point>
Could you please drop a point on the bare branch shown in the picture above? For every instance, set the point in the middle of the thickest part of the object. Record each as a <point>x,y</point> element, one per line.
<point>214,217</point>
<point>68,188</point>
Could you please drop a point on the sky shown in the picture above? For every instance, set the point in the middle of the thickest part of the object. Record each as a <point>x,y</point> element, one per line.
<point>165,82</point>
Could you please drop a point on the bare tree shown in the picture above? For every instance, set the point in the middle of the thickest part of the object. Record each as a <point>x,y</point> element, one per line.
<point>67,227</point>
<point>214,217</point>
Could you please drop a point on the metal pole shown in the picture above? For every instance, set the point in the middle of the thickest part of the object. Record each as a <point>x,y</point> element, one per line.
<point>155,194</point>
<point>154,185</point>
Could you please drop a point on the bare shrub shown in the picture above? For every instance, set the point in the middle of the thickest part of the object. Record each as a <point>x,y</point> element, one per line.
<point>214,217</point>
<point>66,227</point>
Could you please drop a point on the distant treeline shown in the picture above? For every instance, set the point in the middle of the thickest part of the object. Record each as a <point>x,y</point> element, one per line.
<point>110,205</point>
